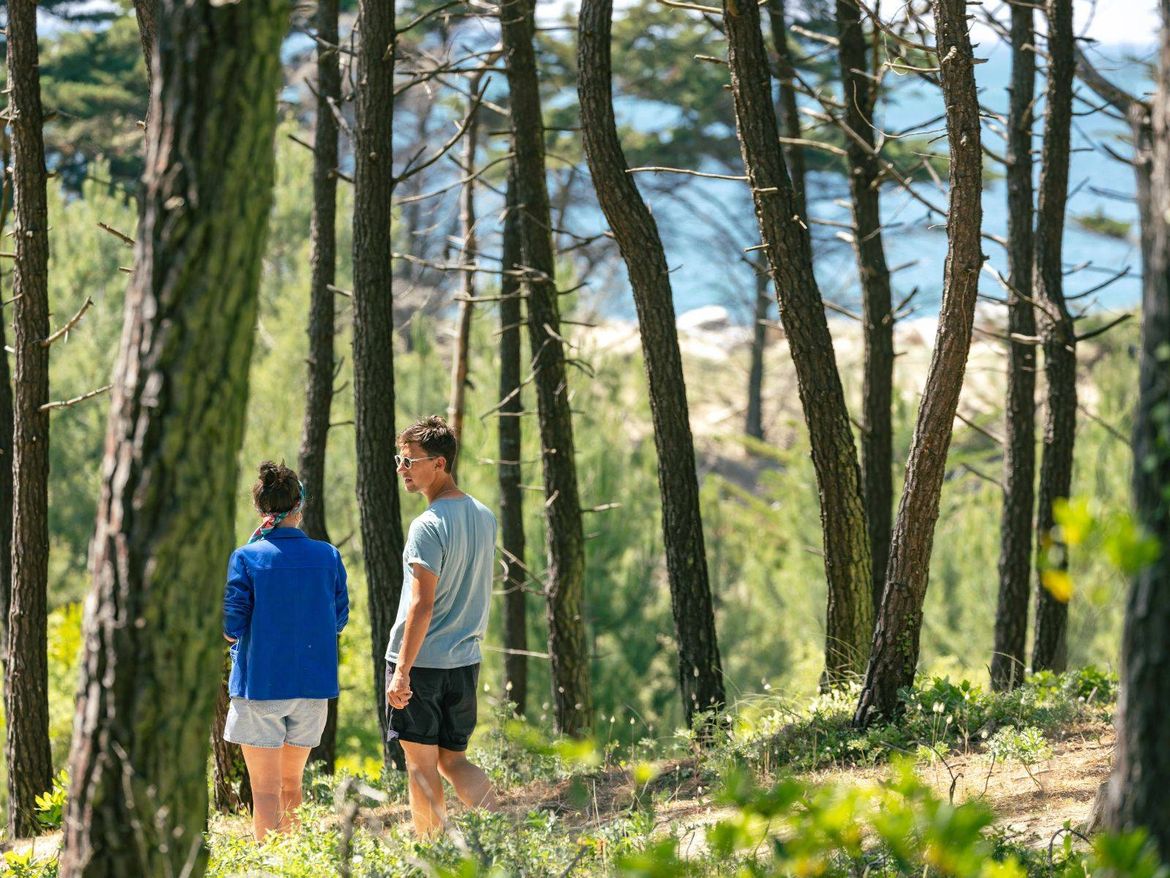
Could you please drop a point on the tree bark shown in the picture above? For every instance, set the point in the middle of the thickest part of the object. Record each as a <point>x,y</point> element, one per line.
<point>786,239</point>
<point>26,684</point>
<point>896,636</point>
<point>1138,791</point>
<point>700,672</point>
<point>1019,464</point>
<point>319,383</point>
<point>6,447</point>
<point>789,111</point>
<point>565,587</point>
<point>146,11</point>
<point>152,654</point>
<point>510,478</point>
<point>1058,335</point>
<point>754,426</point>
<point>231,785</point>
<point>877,479</point>
<point>469,255</point>
<point>373,336</point>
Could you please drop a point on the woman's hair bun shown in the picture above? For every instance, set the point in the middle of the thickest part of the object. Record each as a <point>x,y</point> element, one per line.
<point>269,472</point>
<point>277,489</point>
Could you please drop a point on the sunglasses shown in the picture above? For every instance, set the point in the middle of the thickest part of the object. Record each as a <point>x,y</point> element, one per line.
<point>408,462</point>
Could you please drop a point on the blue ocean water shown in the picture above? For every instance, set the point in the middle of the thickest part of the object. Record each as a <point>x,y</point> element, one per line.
<point>706,224</point>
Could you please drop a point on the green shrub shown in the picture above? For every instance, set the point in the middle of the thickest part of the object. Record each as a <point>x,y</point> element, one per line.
<point>50,806</point>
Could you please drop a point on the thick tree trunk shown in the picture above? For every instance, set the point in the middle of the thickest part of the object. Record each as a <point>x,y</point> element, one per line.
<point>877,480</point>
<point>565,588</point>
<point>231,786</point>
<point>26,685</point>
<point>373,336</point>
<point>1019,464</point>
<point>511,494</point>
<point>754,426</point>
<point>899,624</point>
<point>6,448</point>
<point>146,11</point>
<point>789,110</point>
<point>1050,648</point>
<point>153,650</point>
<point>1138,792</point>
<point>319,383</point>
<point>469,254</point>
<point>700,672</point>
<point>786,239</point>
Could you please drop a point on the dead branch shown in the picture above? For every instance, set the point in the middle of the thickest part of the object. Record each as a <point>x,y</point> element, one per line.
<point>66,403</point>
<point>461,129</point>
<point>73,321</point>
<point>1101,330</point>
<point>979,429</point>
<point>685,171</point>
<point>124,238</point>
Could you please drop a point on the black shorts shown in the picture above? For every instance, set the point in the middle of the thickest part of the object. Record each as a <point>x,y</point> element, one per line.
<point>442,706</point>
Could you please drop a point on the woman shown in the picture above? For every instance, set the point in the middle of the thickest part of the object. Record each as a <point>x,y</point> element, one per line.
<point>283,608</point>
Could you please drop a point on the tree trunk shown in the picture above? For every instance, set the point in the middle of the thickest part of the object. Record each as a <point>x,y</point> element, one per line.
<point>877,480</point>
<point>700,672</point>
<point>319,384</point>
<point>467,223</point>
<point>1019,464</point>
<point>511,494</point>
<point>26,685</point>
<point>231,786</point>
<point>565,588</point>
<point>789,111</point>
<point>786,239</point>
<point>373,337</point>
<point>755,395</point>
<point>1050,648</point>
<point>152,655</point>
<point>6,447</point>
<point>146,11</point>
<point>899,624</point>
<point>1138,792</point>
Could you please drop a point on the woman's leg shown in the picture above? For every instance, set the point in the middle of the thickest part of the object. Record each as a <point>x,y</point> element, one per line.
<point>292,771</point>
<point>264,766</point>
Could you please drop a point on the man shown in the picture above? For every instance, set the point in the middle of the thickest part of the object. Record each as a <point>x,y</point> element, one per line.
<point>433,657</point>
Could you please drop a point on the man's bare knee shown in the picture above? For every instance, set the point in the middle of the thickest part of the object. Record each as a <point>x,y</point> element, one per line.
<point>451,760</point>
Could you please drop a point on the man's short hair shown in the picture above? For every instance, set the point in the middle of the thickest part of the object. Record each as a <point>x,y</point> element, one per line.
<point>433,436</point>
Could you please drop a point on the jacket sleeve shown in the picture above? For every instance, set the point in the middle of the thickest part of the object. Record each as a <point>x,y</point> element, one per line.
<point>341,595</point>
<point>238,598</point>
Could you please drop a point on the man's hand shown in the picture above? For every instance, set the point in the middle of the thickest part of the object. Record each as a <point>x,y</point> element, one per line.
<point>398,691</point>
<point>229,639</point>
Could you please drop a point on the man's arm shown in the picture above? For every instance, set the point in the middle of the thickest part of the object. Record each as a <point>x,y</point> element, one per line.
<point>418,621</point>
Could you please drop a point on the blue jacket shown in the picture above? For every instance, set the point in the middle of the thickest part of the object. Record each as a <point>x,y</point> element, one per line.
<point>285,603</point>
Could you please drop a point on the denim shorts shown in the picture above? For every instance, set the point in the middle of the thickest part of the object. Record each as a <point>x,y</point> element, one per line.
<point>274,723</point>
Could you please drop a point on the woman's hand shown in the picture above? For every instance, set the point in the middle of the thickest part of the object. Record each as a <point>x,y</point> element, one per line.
<point>398,691</point>
<point>229,639</point>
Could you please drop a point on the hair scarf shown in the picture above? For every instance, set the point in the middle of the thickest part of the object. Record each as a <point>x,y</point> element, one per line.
<point>271,522</point>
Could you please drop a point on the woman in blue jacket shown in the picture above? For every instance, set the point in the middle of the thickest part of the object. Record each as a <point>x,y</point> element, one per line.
<point>284,606</point>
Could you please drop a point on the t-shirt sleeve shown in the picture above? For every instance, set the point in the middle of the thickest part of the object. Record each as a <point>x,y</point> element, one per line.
<point>424,545</point>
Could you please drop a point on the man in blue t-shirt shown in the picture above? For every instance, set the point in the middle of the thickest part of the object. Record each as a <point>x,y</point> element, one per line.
<point>432,660</point>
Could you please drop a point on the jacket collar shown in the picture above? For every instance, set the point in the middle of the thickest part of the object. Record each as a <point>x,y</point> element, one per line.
<point>286,533</point>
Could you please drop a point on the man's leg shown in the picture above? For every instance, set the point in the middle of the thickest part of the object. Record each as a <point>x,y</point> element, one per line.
<point>427,808</point>
<point>264,770</point>
<point>471,784</point>
<point>292,772</point>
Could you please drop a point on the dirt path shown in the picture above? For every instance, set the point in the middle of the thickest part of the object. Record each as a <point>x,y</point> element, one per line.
<point>1030,806</point>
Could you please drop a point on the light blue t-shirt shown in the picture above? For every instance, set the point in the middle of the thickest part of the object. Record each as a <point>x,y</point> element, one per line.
<point>455,539</point>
